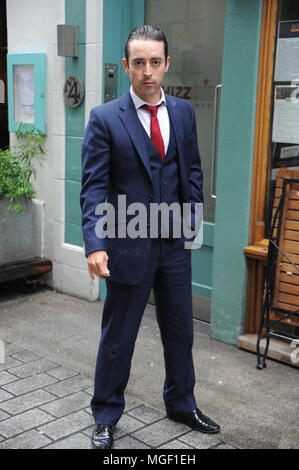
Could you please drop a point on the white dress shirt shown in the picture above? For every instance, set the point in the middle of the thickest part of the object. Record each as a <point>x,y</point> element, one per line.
<point>145,116</point>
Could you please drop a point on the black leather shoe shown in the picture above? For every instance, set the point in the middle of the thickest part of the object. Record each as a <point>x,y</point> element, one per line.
<point>102,436</point>
<point>195,420</point>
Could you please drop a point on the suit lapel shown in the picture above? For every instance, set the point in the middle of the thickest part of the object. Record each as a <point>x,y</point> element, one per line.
<point>132,124</point>
<point>176,119</point>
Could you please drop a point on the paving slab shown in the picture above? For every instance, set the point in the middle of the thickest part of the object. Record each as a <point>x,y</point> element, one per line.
<point>31,368</point>
<point>67,405</point>
<point>127,425</point>
<point>130,402</point>
<point>68,386</point>
<point>27,440</point>
<point>70,424</point>
<point>25,356</point>
<point>77,441</point>
<point>25,402</point>
<point>160,432</point>
<point>128,442</point>
<point>199,440</point>
<point>6,377</point>
<point>61,373</point>
<point>175,444</point>
<point>89,390</point>
<point>3,415</point>
<point>4,395</point>
<point>9,363</point>
<point>224,446</point>
<point>11,348</point>
<point>23,422</point>
<point>19,387</point>
<point>146,414</point>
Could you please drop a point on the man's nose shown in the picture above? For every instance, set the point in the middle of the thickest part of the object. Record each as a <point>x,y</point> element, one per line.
<point>147,69</point>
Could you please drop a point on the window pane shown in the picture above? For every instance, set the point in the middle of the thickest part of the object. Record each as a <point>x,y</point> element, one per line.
<point>195,33</point>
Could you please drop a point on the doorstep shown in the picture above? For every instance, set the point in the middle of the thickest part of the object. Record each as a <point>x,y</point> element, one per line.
<point>280,350</point>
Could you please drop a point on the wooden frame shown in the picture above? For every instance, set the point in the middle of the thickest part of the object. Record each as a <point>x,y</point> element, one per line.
<point>286,292</point>
<point>39,66</point>
<point>256,253</point>
<point>262,148</point>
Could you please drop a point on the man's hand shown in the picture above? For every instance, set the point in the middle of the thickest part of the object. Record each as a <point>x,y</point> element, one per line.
<point>97,264</point>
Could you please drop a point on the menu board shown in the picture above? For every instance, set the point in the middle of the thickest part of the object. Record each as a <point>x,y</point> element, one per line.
<point>286,97</point>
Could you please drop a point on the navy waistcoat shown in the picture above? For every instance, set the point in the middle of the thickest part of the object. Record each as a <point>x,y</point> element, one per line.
<point>165,175</point>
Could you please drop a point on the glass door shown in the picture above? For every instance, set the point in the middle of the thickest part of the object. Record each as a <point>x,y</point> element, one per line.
<point>195,33</point>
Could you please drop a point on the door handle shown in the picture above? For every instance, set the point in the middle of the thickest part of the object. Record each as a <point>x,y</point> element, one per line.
<point>214,147</point>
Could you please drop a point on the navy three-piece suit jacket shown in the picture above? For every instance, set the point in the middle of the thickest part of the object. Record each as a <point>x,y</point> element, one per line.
<point>115,162</point>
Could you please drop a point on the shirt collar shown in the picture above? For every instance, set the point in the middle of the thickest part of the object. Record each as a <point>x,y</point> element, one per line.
<point>138,102</point>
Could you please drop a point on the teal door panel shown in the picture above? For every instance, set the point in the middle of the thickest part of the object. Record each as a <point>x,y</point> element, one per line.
<point>201,263</point>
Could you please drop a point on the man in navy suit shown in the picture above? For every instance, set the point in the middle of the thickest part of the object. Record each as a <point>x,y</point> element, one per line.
<point>143,147</point>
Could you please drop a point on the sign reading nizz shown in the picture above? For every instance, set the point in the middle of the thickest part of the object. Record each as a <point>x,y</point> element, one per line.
<point>202,93</point>
<point>179,91</point>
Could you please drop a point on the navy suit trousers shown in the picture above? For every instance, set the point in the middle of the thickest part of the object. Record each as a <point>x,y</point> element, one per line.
<point>169,274</point>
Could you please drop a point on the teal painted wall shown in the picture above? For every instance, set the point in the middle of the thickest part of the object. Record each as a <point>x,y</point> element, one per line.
<point>75,14</point>
<point>202,263</point>
<point>119,18</point>
<point>234,172</point>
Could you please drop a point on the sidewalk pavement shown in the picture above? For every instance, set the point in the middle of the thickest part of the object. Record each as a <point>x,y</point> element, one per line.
<point>46,383</point>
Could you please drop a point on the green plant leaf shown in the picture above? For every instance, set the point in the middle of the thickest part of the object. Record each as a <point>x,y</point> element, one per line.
<point>17,165</point>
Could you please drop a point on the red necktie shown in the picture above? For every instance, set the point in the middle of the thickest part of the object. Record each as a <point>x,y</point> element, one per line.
<point>156,135</point>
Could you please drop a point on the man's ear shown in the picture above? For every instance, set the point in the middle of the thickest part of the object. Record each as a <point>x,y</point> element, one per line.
<point>167,64</point>
<point>125,65</point>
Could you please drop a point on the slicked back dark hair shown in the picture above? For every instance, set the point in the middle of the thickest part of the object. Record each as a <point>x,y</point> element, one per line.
<point>146,32</point>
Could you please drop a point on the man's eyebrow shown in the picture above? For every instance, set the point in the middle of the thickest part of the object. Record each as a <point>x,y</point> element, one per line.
<point>152,58</point>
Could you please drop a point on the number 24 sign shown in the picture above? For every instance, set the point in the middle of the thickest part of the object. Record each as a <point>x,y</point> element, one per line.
<point>73,91</point>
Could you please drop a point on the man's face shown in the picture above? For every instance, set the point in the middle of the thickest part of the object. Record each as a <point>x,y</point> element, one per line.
<point>146,68</point>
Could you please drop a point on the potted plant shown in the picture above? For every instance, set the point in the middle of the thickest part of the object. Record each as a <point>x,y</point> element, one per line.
<point>17,168</point>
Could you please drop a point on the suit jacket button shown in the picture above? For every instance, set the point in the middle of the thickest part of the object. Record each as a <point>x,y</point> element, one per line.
<point>150,198</point>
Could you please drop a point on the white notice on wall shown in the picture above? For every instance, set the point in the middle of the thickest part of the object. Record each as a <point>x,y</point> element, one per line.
<point>23,76</point>
<point>286,115</point>
<point>287,52</point>
<point>287,60</point>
